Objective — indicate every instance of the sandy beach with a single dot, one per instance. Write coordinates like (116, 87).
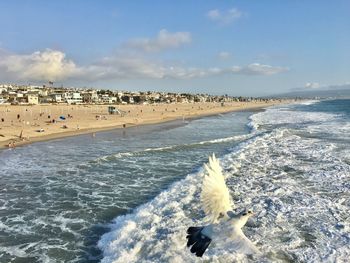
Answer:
(21, 125)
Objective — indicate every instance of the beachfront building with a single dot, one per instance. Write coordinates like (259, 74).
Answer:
(153, 97)
(199, 98)
(90, 96)
(113, 100)
(107, 99)
(127, 99)
(181, 99)
(33, 89)
(3, 90)
(76, 98)
(3, 100)
(21, 98)
(12, 97)
(56, 97)
(33, 99)
(73, 98)
(139, 99)
(43, 92)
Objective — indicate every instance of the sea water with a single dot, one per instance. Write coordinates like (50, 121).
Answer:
(129, 195)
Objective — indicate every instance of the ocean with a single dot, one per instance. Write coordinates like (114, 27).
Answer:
(129, 195)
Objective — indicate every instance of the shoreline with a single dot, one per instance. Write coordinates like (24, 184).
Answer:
(140, 121)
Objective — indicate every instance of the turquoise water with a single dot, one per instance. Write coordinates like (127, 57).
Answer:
(129, 195)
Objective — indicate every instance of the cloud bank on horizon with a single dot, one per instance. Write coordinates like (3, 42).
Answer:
(53, 65)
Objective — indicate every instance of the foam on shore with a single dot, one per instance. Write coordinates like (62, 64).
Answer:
(297, 185)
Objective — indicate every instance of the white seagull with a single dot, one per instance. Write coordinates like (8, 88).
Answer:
(224, 225)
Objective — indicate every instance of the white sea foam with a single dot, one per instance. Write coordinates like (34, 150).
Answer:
(153, 229)
(333, 128)
(227, 139)
(276, 116)
(170, 148)
(296, 185)
(307, 102)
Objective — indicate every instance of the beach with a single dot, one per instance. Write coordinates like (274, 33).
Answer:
(129, 195)
(23, 124)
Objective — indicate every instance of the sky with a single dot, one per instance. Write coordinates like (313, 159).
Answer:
(245, 48)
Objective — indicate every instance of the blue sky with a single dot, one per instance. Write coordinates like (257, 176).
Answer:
(218, 47)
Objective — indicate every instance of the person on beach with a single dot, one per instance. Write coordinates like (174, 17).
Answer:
(21, 135)
(11, 144)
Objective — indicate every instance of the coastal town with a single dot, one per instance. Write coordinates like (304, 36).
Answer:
(30, 113)
(48, 94)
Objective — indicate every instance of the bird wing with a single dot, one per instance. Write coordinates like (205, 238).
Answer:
(215, 196)
(241, 244)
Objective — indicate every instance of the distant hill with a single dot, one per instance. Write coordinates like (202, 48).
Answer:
(330, 92)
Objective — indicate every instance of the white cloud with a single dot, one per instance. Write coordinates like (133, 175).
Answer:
(322, 87)
(134, 67)
(224, 17)
(312, 85)
(223, 55)
(53, 65)
(126, 67)
(214, 14)
(45, 65)
(262, 69)
(164, 40)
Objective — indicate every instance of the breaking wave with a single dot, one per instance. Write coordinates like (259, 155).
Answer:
(108, 158)
(297, 184)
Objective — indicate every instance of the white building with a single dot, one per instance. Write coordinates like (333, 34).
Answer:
(74, 97)
(105, 98)
(2, 100)
(90, 96)
(56, 97)
(113, 100)
(33, 99)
